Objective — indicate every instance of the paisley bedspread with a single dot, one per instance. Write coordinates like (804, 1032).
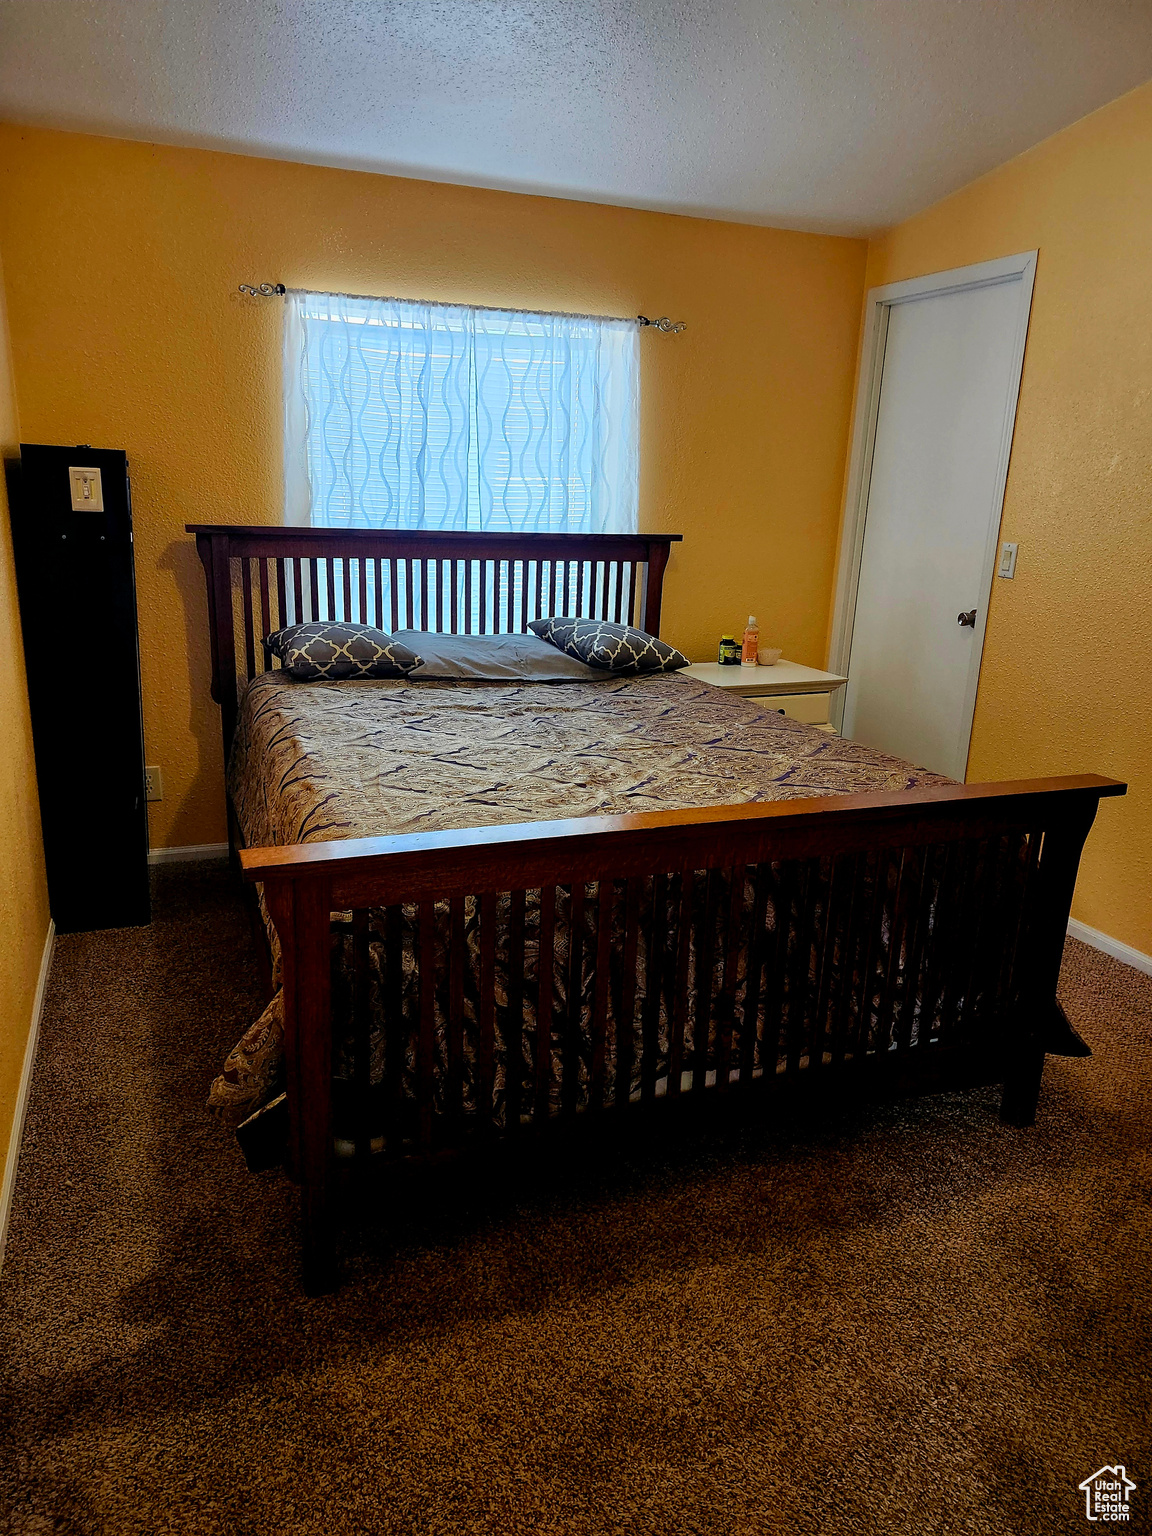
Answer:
(317, 761)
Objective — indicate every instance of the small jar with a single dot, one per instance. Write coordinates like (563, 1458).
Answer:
(729, 651)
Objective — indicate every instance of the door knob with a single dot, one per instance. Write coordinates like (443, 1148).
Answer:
(967, 620)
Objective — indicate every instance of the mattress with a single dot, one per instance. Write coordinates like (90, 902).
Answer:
(319, 761)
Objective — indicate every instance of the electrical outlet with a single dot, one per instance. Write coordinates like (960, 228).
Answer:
(153, 784)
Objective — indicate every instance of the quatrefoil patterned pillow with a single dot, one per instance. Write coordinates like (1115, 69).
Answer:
(614, 648)
(332, 650)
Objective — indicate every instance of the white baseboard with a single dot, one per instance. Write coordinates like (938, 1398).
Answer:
(8, 1188)
(1122, 952)
(188, 854)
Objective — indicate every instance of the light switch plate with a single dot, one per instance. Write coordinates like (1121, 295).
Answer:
(1007, 566)
(87, 491)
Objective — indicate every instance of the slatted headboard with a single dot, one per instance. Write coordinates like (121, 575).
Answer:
(261, 578)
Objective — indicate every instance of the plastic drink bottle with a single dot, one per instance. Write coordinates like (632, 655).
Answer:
(751, 643)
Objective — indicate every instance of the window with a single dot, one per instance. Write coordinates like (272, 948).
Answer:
(410, 415)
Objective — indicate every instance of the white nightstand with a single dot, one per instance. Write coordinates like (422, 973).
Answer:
(802, 693)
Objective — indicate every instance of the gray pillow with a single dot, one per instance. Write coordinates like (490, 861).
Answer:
(331, 650)
(493, 658)
(616, 648)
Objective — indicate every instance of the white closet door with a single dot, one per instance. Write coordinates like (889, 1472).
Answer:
(949, 379)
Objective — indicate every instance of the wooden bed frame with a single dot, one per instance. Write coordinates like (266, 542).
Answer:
(881, 944)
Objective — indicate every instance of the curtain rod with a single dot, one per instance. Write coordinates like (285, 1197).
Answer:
(278, 290)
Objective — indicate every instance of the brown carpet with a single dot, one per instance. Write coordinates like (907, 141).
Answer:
(896, 1319)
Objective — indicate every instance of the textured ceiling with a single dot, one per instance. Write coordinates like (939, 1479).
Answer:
(836, 115)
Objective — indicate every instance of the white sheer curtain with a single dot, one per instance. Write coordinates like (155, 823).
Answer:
(408, 415)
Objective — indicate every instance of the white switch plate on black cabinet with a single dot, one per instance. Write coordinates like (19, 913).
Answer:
(87, 490)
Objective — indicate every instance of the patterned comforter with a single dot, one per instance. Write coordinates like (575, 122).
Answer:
(317, 761)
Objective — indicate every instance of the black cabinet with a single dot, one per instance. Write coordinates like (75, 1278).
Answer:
(76, 578)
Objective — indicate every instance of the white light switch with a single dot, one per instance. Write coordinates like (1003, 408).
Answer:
(1007, 566)
(87, 492)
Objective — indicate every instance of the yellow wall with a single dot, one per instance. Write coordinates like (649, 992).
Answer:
(1068, 657)
(122, 261)
(23, 894)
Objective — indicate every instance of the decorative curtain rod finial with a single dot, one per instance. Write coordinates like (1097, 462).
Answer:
(263, 290)
(671, 327)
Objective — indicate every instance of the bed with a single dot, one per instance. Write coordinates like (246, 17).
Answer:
(509, 911)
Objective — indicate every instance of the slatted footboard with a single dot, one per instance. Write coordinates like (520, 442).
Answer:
(448, 988)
